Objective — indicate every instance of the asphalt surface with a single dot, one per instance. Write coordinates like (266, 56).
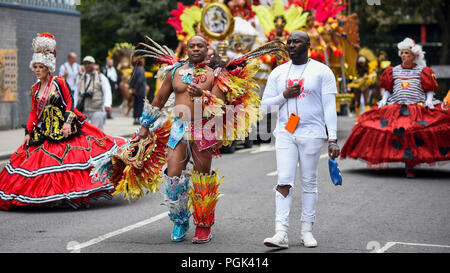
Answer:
(372, 211)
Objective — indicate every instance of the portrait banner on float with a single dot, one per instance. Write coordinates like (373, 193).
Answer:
(8, 75)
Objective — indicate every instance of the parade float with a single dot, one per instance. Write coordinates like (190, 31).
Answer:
(236, 26)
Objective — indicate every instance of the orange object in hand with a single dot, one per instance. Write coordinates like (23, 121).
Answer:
(292, 123)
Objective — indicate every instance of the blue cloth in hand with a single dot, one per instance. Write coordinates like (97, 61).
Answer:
(335, 173)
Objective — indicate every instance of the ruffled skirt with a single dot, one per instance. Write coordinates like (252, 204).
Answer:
(411, 134)
(56, 173)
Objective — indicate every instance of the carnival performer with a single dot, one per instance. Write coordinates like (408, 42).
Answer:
(279, 32)
(53, 164)
(189, 81)
(304, 92)
(360, 86)
(408, 126)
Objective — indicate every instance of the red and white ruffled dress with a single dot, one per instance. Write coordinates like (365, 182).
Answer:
(404, 130)
(54, 170)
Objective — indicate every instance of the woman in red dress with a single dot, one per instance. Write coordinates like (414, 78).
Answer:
(408, 125)
(52, 165)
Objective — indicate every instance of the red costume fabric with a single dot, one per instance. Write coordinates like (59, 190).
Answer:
(427, 79)
(55, 171)
(408, 133)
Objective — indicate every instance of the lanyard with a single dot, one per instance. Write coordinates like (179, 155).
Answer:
(287, 79)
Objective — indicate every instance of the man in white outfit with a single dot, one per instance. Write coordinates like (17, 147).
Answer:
(307, 89)
(71, 70)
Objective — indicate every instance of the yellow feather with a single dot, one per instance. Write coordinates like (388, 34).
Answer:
(190, 16)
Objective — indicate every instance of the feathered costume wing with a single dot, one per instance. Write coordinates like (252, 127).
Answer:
(237, 81)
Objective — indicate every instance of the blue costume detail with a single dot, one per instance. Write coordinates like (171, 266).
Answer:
(335, 173)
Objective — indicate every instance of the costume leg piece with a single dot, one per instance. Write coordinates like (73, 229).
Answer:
(176, 192)
(204, 195)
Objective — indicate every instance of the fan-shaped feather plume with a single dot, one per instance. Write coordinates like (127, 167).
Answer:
(274, 47)
(162, 54)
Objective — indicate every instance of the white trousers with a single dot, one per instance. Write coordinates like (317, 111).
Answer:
(291, 151)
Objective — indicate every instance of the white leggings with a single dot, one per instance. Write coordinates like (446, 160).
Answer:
(289, 150)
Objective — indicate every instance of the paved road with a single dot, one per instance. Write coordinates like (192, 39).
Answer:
(373, 210)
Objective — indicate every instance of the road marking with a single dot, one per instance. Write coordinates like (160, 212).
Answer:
(4, 162)
(118, 232)
(275, 173)
(391, 244)
(262, 149)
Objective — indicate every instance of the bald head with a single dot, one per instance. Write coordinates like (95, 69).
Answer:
(197, 38)
(72, 57)
(299, 34)
(196, 49)
(297, 45)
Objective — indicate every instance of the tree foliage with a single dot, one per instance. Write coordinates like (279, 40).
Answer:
(379, 20)
(107, 22)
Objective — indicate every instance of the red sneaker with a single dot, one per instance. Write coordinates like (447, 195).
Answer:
(202, 235)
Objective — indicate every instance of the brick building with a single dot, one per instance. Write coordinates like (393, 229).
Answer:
(20, 21)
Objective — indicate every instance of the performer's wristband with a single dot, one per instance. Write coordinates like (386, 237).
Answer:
(332, 144)
(149, 115)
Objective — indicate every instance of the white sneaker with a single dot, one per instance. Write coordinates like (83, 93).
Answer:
(306, 236)
(280, 239)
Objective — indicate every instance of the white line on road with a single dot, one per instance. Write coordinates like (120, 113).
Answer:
(391, 244)
(264, 148)
(275, 173)
(117, 232)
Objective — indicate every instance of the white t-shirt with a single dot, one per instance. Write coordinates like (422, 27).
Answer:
(316, 104)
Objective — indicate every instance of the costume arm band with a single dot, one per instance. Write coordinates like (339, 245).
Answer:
(150, 114)
(330, 114)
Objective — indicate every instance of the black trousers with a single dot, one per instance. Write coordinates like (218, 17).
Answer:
(138, 106)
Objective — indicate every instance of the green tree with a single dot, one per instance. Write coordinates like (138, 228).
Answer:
(107, 22)
(378, 20)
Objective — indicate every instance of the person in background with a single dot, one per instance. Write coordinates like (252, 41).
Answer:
(95, 93)
(71, 70)
(111, 73)
(446, 101)
(138, 86)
